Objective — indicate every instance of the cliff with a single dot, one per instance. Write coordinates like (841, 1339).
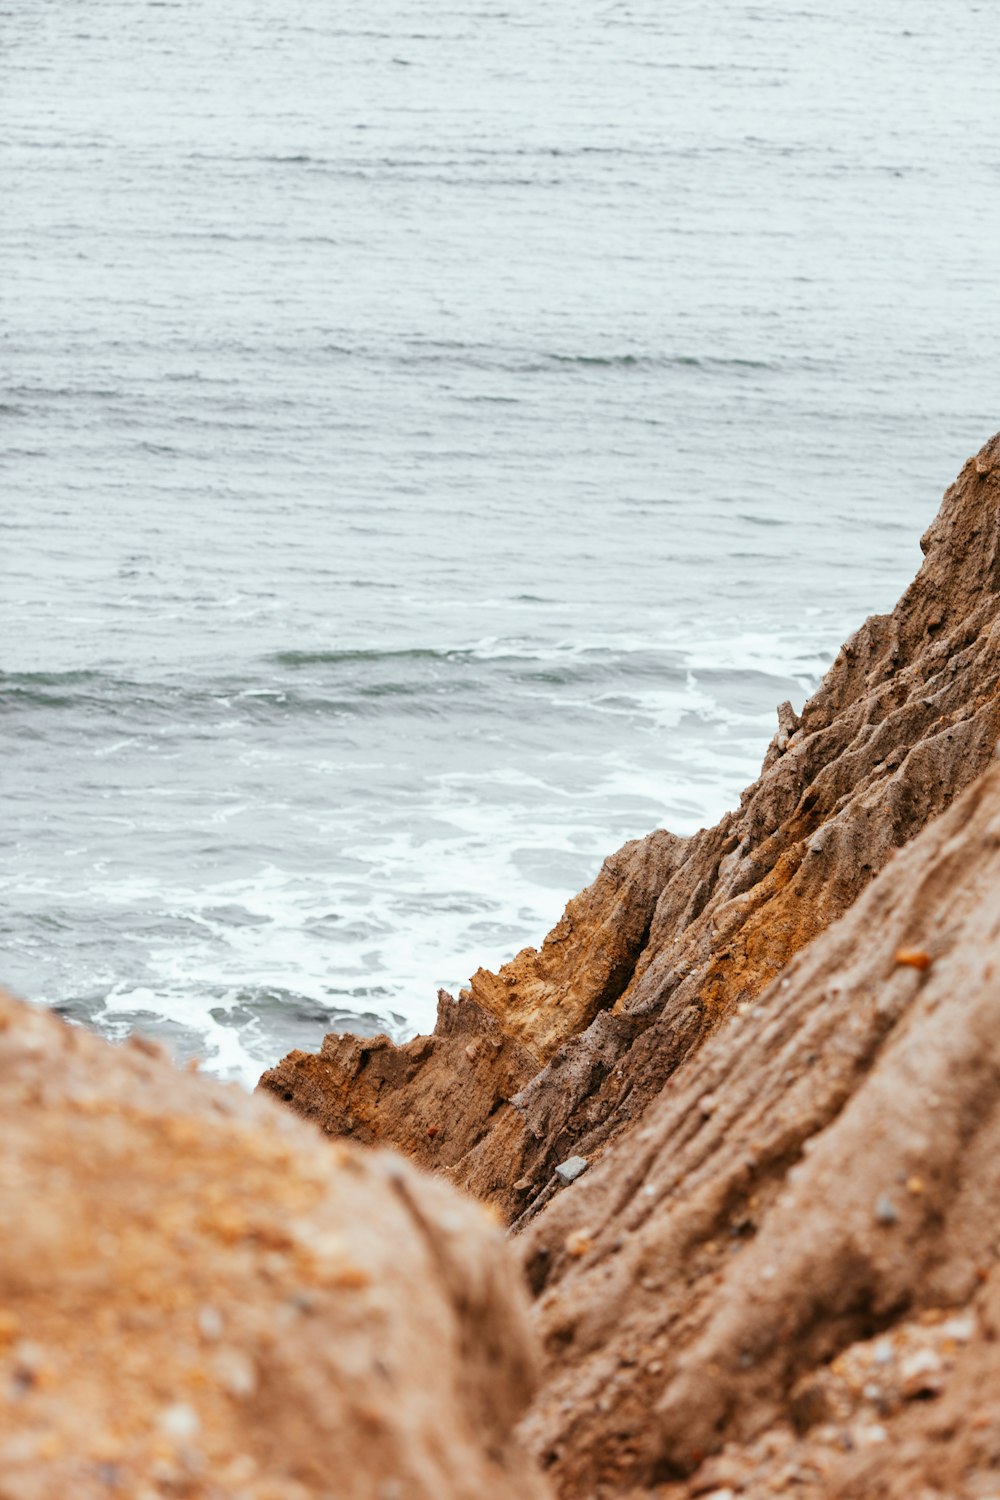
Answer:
(567, 1046)
(776, 1045)
(200, 1297)
(792, 1262)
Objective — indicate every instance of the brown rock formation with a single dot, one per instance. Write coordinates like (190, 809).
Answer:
(200, 1297)
(784, 1275)
(794, 1257)
(568, 1045)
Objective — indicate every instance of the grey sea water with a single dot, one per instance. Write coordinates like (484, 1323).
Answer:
(434, 438)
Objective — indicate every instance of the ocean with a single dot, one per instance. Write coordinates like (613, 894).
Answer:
(434, 439)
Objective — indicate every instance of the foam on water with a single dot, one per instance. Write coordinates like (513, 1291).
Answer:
(359, 906)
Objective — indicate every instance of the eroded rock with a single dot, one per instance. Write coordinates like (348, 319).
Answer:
(201, 1297)
(736, 1258)
(566, 1047)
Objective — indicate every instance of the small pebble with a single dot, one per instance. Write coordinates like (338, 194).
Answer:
(179, 1421)
(885, 1210)
(574, 1167)
(235, 1372)
(913, 958)
(961, 1329)
(921, 1374)
(210, 1322)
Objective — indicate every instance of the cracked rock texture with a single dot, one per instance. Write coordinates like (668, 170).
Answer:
(755, 1271)
(567, 1046)
(200, 1297)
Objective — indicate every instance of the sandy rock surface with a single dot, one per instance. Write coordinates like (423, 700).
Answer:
(792, 1261)
(566, 1047)
(201, 1297)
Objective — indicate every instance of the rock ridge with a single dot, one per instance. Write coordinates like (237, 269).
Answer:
(567, 1045)
(789, 1274)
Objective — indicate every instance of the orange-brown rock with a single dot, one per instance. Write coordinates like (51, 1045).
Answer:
(787, 1275)
(201, 1297)
(437, 1096)
(567, 1046)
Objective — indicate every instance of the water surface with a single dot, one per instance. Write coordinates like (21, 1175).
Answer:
(434, 440)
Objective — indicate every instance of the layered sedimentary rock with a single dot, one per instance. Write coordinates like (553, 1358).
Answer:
(200, 1297)
(567, 1046)
(792, 1263)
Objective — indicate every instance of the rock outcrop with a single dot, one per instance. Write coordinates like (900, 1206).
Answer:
(200, 1297)
(792, 1263)
(765, 1254)
(567, 1046)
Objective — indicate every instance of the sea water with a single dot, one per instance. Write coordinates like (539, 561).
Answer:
(435, 437)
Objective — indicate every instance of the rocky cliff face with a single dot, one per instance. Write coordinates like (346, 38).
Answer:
(793, 1259)
(200, 1297)
(566, 1047)
(780, 1270)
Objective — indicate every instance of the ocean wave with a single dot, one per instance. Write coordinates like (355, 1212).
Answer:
(486, 678)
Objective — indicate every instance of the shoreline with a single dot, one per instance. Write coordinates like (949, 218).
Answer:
(741, 1111)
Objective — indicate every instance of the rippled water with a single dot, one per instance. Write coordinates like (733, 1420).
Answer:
(434, 439)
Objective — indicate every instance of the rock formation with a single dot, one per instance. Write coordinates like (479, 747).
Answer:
(200, 1297)
(744, 1106)
(566, 1047)
(793, 1258)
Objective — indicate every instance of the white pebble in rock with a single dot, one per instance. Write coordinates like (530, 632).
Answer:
(885, 1210)
(179, 1421)
(210, 1322)
(572, 1168)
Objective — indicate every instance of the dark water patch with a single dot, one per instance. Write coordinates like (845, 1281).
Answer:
(486, 665)
(339, 927)
(750, 692)
(265, 1000)
(50, 689)
(66, 392)
(334, 685)
(528, 362)
(272, 1020)
(181, 1042)
(367, 654)
(233, 915)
